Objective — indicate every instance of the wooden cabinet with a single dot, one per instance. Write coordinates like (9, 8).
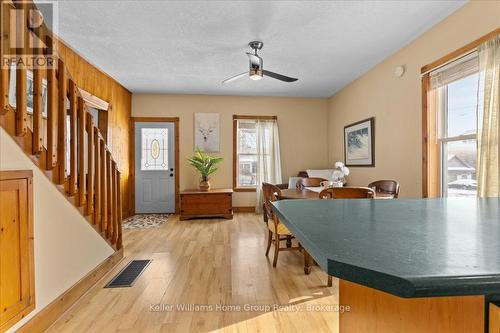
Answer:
(17, 291)
(214, 203)
(494, 318)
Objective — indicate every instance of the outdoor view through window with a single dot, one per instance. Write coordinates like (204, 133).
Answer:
(458, 104)
(246, 159)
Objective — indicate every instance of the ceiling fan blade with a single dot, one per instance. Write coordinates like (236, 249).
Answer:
(236, 77)
(279, 76)
(255, 60)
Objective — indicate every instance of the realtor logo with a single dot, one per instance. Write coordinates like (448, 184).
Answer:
(27, 34)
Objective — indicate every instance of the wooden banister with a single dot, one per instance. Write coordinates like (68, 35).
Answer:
(81, 151)
(92, 176)
(61, 121)
(51, 112)
(73, 138)
(90, 164)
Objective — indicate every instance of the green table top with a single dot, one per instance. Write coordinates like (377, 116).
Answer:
(406, 247)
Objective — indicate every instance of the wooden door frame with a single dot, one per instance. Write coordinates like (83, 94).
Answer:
(134, 120)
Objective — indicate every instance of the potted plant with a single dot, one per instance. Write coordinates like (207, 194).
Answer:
(205, 165)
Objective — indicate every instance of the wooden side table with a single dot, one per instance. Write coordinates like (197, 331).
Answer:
(213, 203)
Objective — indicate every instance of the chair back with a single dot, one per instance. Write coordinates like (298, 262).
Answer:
(347, 193)
(386, 186)
(270, 193)
(309, 182)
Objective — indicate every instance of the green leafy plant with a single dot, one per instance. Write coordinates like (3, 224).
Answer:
(205, 164)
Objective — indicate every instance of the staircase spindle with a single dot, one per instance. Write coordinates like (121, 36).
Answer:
(97, 181)
(37, 139)
(61, 121)
(51, 112)
(104, 190)
(81, 151)
(21, 100)
(90, 164)
(4, 71)
(119, 220)
(114, 236)
(73, 138)
(109, 225)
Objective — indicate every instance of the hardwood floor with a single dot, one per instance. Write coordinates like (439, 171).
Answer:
(207, 263)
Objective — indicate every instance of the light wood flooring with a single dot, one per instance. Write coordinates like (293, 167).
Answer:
(207, 262)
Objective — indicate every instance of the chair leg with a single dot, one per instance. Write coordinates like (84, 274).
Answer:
(276, 249)
(288, 241)
(269, 241)
(330, 282)
(307, 262)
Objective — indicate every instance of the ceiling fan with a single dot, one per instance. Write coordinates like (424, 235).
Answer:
(256, 71)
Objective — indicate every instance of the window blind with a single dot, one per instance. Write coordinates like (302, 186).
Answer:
(454, 71)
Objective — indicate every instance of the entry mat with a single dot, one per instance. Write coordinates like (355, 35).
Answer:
(129, 274)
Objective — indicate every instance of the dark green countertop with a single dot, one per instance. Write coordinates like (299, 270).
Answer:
(406, 247)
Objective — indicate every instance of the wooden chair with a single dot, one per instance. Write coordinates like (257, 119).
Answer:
(342, 193)
(267, 191)
(386, 186)
(309, 182)
(347, 193)
(277, 229)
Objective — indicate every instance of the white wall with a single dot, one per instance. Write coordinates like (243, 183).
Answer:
(66, 247)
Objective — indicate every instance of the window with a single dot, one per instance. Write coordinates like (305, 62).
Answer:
(154, 149)
(245, 151)
(454, 101)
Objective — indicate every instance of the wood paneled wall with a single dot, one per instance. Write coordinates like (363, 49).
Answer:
(100, 84)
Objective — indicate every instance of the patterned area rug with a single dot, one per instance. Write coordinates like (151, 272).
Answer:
(145, 221)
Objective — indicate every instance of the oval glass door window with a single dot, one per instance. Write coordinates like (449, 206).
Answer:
(154, 149)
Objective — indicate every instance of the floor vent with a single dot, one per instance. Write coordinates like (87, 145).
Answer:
(129, 274)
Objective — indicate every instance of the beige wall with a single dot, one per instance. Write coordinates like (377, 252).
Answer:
(396, 102)
(66, 246)
(302, 124)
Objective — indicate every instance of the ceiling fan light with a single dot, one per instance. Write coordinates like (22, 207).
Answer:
(255, 75)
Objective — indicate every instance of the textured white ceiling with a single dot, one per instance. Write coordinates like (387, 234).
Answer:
(191, 46)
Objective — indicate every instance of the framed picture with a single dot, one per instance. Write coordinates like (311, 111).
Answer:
(29, 90)
(207, 132)
(359, 143)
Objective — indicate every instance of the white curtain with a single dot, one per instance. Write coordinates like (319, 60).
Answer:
(268, 157)
(488, 168)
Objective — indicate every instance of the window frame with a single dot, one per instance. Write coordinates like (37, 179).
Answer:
(431, 166)
(236, 186)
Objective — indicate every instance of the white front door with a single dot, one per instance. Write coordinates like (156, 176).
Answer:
(154, 167)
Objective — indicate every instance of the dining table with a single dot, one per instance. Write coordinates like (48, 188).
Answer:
(313, 194)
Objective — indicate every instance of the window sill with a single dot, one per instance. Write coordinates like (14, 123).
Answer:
(244, 189)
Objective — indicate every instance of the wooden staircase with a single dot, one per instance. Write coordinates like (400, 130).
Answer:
(91, 180)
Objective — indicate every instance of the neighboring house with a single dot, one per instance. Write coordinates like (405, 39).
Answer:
(459, 169)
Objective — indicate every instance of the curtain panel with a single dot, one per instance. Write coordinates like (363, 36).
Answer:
(488, 169)
(268, 157)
